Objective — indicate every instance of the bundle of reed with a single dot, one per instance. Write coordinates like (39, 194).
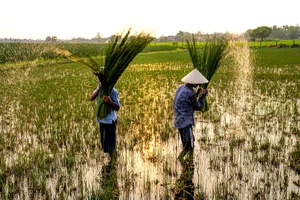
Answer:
(120, 52)
(209, 58)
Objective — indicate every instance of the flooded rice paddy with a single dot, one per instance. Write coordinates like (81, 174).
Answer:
(50, 141)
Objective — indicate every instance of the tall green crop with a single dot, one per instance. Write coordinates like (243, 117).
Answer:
(118, 55)
(209, 58)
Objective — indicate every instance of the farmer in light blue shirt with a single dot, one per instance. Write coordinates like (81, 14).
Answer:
(186, 101)
(108, 125)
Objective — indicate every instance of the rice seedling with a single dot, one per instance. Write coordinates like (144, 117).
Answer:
(209, 59)
(118, 55)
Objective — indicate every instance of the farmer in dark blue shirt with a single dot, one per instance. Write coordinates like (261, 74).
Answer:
(186, 101)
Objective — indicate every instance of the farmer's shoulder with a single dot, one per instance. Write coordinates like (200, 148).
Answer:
(180, 86)
(114, 91)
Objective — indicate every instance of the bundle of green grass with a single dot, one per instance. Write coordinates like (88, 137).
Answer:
(209, 58)
(122, 49)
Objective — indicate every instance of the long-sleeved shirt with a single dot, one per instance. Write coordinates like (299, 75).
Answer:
(185, 103)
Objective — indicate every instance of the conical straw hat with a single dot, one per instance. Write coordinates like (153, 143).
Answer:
(194, 77)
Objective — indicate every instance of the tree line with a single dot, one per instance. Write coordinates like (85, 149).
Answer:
(260, 33)
(282, 33)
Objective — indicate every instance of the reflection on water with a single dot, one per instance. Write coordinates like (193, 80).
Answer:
(184, 184)
(241, 152)
(227, 163)
(108, 181)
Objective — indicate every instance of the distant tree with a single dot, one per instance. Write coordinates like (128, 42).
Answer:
(285, 27)
(48, 39)
(229, 36)
(206, 36)
(292, 32)
(277, 33)
(51, 39)
(182, 36)
(187, 35)
(199, 36)
(162, 38)
(248, 35)
(54, 39)
(261, 32)
(285, 32)
(112, 37)
(179, 36)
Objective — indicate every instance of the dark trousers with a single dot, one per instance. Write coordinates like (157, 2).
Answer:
(187, 137)
(108, 137)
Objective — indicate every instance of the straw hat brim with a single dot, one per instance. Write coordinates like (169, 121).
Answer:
(194, 77)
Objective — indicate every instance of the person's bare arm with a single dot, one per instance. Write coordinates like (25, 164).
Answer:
(95, 93)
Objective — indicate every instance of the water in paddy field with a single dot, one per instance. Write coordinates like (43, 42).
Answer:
(242, 148)
(241, 152)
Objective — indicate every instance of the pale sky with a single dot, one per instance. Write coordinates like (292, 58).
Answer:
(66, 19)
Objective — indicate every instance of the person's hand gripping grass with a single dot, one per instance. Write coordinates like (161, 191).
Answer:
(108, 100)
(203, 90)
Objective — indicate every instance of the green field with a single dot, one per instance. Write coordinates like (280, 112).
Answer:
(247, 144)
(13, 52)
